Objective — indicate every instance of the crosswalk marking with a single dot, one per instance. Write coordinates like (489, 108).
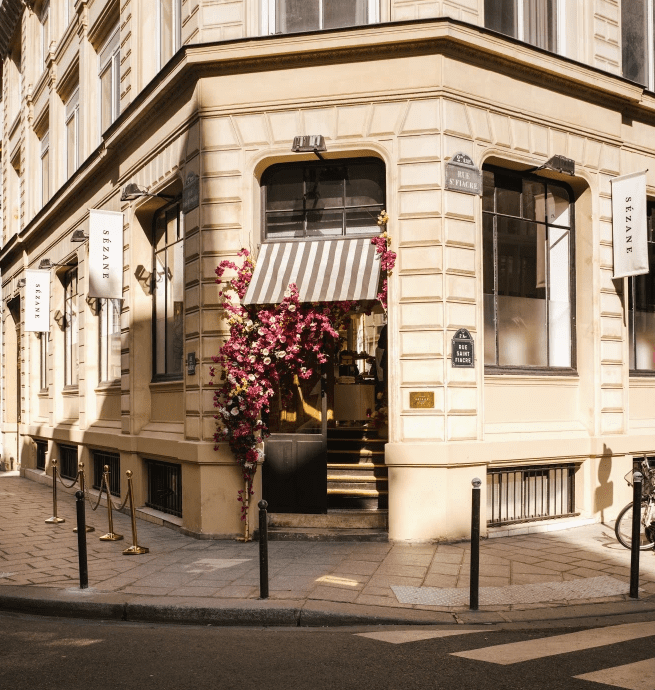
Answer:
(516, 652)
(637, 676)
(402, 636)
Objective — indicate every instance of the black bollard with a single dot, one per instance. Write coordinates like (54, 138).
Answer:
(637, 478)
(81, 539)
(475, 545)
(263, 551)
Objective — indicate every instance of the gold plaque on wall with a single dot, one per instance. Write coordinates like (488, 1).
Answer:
(421, 399)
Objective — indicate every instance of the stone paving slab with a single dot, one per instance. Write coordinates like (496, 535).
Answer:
(542, 575)
(588, 588)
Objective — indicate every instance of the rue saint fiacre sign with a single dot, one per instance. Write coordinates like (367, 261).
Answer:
(462, 349)
(462, 175)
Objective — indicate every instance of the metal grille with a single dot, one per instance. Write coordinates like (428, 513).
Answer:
(68, 462)
(41, 453)
(530, 493)
(113, 461)
(165, 487)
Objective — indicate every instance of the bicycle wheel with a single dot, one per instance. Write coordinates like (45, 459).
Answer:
(623, 528)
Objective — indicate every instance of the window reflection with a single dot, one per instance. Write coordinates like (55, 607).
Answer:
(323, 199)
(168, 306)
(527, 271)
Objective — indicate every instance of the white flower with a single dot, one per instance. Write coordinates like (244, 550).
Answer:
(265, 351)
(292, 307)
(252, 358)
(235, 411)
(249, 323)
(280, 354)
(287, 292)
(267, 360)
(251, 377)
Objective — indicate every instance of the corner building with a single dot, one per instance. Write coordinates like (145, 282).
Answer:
(197, 103)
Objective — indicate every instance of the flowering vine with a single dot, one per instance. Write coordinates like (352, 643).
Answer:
(267, 348)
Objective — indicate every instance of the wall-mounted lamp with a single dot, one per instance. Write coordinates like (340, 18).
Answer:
(309, 144)
(560, 164)
(133, 191)
(59, 318)
(46, 264)
(20, 283)
(79, 236)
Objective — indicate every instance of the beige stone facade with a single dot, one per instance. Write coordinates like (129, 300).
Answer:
(422, 82)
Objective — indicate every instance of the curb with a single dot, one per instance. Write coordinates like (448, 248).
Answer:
(94, 605)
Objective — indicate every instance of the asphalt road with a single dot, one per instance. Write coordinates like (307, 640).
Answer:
(50, 654)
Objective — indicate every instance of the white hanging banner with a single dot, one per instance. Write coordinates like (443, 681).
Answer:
(37, 300)
(105, 254)
(629, 226)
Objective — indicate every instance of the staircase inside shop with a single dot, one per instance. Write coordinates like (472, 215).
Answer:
(357, 492)
(357, 475)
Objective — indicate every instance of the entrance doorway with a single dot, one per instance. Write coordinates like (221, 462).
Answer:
(326, 448)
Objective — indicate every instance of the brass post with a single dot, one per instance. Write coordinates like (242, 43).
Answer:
(246, 503)
(134, 549)
(80, 474)
(110, 536)
(54, 520)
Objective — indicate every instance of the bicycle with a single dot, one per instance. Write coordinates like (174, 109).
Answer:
(623, 525)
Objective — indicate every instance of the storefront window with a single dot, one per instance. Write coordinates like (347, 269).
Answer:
(528, 271)
(641, 309)
(168, 274)
(323, 199)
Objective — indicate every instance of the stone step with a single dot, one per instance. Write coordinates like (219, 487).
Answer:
(355, 492)
(332, 520)
(355, 453)
(317, 534)
(363, 471)
(350, 502)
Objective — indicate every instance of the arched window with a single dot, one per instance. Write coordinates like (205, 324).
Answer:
(528, 271)
(314, 199)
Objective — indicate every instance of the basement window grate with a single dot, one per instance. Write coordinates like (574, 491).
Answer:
(523, 494)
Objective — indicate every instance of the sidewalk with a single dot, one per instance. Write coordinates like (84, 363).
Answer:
(556, 575)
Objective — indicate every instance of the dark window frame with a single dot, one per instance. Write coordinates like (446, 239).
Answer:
(503, 16)
(170, 500)
(166, 375)
(41, 454)
(309, 165)
(540, 370)
(637, 284)
(68, 461)
(100, 458)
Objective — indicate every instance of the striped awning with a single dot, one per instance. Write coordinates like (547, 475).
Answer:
(323, 271)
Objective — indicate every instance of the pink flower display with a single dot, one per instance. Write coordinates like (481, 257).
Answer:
(269, 345)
